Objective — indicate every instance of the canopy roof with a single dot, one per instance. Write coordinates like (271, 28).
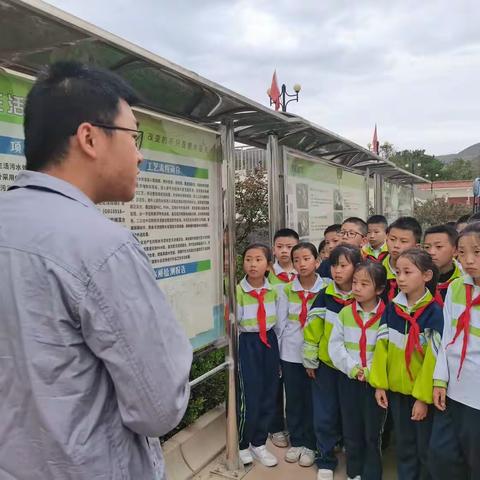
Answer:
(35, 34)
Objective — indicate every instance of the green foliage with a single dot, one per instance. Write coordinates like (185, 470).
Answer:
(428, 166)
(206, 395)
(437, 211)
(459, 169)
(251, 204)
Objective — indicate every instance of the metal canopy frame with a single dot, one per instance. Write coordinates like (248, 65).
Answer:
(35, 34)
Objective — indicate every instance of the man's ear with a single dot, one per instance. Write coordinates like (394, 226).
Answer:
(86, 138)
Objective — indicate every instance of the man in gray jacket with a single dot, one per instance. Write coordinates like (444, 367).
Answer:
(92, 361)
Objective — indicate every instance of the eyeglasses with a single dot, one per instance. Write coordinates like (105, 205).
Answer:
(349, 233)
(138, 137)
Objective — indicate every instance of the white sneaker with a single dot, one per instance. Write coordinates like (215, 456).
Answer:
(324, 474)
(307, 458)
(293, 454)
(279, 439)
(264, 456)
(358, 477)
(245, 456)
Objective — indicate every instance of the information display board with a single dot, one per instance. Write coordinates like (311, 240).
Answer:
(397, 200)
(319, 194)
(176, 212)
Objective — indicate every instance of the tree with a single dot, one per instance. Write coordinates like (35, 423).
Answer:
(251, 202)
(459, 169)
(437, 211)
(418, 162)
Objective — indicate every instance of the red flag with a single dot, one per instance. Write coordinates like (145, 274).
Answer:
(375, 142)
(275, 91)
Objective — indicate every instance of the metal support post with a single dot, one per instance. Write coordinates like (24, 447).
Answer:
(276, 193)
(378, 193)
(228, 147)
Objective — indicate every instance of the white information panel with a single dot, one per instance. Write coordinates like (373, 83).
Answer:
(319, 194)
(176, 213)
(397, 200)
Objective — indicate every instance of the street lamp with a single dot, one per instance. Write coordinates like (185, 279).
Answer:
(411, 165)
(283, 94)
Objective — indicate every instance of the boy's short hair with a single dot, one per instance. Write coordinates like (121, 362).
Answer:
(450, 231)
(286, 232)
(377, 220)
(336, 227)
(474, 218)
(358, 222)
(408, 223)
(462, 219)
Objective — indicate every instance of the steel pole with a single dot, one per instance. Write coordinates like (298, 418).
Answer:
(228, 147)
(275, 201)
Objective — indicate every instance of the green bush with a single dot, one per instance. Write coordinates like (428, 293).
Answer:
(206, 395)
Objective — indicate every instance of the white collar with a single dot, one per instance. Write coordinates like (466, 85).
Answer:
(401, 299)
(374, 311)
(277, 269)
(246, 287)
(317, 286)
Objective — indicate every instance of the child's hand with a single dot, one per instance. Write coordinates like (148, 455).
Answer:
(440, 398)
(419, 410)
(361, 375)
(381, 398)
(311, 373)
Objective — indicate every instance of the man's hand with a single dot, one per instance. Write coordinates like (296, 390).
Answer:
(311, 372)
(419, 410)
(381, 398)
(440, 398)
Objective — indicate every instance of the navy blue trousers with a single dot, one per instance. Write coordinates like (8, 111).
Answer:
(412, 438)
(259, 367)
(278, 421)
(298, 394)
(362, 425)
(326, 415)
(455, 443)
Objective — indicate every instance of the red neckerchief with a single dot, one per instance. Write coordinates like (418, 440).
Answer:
(463, 324)
(381, 257)
(261, 314)
(304, 297)
(285, 277)
(392, 289)
(439, 289)
(343, 302)
(364, 326)
(413, 340)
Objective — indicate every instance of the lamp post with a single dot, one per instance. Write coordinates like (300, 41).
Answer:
(411, 165)
(283, 96)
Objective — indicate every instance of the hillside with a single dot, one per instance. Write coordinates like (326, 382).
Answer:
(470, 153)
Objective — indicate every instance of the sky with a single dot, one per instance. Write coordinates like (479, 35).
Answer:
(410, 67)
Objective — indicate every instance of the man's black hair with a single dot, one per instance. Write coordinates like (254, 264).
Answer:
(336, 227)
(450, 231)
(286, 232)
(352, 254)
(377, 220)
(64, 96)
(408, 223)
(361, 224)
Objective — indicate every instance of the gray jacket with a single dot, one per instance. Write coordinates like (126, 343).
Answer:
(92, 360)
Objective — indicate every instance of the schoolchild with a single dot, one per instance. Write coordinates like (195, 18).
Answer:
(351, 348)
(259, 360)
(282, 270)
(353, 231)
(281, 273)
(317, 361)
(403, 234)
(376, 249)
(455, 442)
(404, 360)
(332, 239)
(322, 251)
(440, 242)
(295, 301)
